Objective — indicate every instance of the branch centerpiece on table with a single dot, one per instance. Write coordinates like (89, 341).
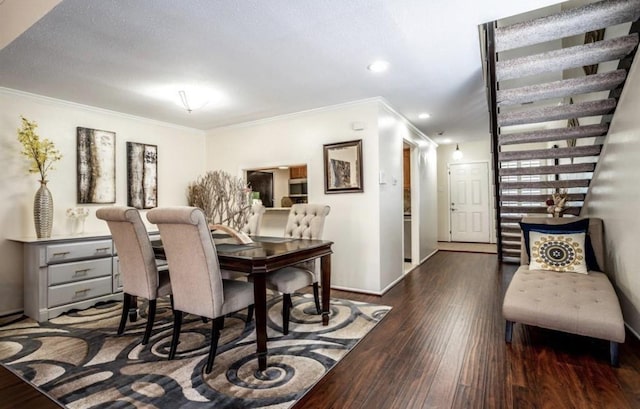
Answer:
(225, 199)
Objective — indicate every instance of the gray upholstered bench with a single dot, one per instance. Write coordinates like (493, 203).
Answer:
(583, 304)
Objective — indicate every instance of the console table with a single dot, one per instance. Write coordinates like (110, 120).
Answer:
(63, 273)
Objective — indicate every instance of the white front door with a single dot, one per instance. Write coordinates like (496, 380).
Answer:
(469, 207)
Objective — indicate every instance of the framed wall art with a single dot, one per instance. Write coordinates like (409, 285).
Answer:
(96, 166)
(142, 175)
(343, 167)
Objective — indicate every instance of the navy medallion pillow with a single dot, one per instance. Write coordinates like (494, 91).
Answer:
(562, 252)
(579, 226)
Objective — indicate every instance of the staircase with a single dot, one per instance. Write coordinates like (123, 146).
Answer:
(553, 83)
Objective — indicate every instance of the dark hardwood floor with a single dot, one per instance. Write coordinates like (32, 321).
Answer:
(442, 346)
(15, 393)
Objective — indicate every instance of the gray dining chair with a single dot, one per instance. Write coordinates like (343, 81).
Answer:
(305, 221)
(141, 276)
(198, 287)
(254, 221)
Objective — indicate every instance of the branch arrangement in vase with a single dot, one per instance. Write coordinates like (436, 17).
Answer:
(41, 153)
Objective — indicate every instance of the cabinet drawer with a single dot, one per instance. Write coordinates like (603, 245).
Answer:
(78, 291)
(80, 270)
(60, 253)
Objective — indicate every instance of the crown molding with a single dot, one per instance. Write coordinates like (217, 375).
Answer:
(92, 109)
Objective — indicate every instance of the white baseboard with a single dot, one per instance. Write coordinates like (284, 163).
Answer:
(355, 290)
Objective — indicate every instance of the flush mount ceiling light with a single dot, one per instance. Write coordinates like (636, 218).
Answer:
(424, 115)
(195, 100)
(378, 66)
(457, 154)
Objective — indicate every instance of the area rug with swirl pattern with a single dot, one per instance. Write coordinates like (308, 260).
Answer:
(79, 360)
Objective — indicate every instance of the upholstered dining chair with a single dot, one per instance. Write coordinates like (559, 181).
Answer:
(305, 221)
(198, 287)
(140, 274)
(254, 221)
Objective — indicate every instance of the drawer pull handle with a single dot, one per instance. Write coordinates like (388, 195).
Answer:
(86, 290)
(64, 253)
(82, 272)
(103, 249)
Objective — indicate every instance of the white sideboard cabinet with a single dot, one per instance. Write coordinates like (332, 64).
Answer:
(66, 273)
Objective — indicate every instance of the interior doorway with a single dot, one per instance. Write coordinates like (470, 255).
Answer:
(407, 150)
(469, 202)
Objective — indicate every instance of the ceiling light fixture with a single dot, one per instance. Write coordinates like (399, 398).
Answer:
(424, 115)
(183, 97)
(457, 154)
(197, 98)
(378, 66)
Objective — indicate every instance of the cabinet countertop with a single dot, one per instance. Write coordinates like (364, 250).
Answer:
(67, 237)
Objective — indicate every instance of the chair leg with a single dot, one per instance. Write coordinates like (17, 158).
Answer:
(216, 325)
(250, 313)
(126, 304)
(286, 308)
(177, 323)
(316, 297)
(508, 333)
(613, 350)
(151, 316)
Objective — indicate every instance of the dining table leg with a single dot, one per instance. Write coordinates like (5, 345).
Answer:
(325, 268)
(260, 300)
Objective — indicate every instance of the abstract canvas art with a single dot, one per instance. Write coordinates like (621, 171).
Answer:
(96, 162)
(142, 175)
(343, 167)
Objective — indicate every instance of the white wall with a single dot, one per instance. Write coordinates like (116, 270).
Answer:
(367, 239)
(424, 212)
(614, 196)
(473, 151)
(180, 160)
(393, 132)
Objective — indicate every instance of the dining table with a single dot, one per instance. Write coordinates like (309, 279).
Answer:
(261, 257)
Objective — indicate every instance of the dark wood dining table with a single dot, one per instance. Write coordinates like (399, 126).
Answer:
(264, 255)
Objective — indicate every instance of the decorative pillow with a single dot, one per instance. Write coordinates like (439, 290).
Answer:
(557, 252)
(580, 226)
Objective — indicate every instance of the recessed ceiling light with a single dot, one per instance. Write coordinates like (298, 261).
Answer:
(424, 115)
(378, 66)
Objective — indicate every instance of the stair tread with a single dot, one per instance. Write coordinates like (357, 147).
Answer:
(573, 210)
(560, 89)
(566, 23)
(577, 151)
(549, 170)
(548, 184)
(554, 112)
(571, 197)
(565, 58)
(555, 134)
(511, 260)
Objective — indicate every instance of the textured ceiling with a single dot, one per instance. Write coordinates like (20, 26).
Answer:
(266, 58)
